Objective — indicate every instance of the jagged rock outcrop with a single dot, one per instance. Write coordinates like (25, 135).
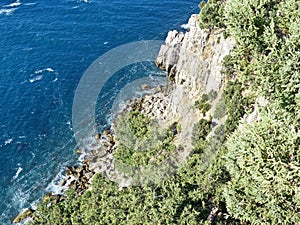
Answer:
(194, 59)
(193, 62)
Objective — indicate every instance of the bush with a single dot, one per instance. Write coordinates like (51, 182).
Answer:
(200, 131)
(236, 104)
(212, 95)
(142, 141)
(203, 104)
(211, 14)
(263, 160)
(220, 110)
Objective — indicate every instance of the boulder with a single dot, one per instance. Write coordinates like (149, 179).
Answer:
(55, 199)
(145, 87)
(71, 170)
(63, 183)
(97, 136)
(47, 197)
(106, 132)
(78, 151)
(23, 215)
(89, 175)
(72, 185)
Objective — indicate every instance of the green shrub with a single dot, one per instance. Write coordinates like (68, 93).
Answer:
(212, 95)
(203, 104)
(142, 141)
(220, 110)
(263, 160)
(235, 104)
(201, 129)
(211, 14)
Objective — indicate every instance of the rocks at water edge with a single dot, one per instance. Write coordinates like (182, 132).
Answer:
(97, 136)
(195, 52)
(23, 215)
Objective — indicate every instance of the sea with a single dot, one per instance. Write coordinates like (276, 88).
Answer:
(45, 49)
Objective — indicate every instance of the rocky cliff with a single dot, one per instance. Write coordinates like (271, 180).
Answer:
(193, 62)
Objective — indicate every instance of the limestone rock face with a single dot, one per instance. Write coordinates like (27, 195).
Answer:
(169, 54)
(194, 59)
(193, 62)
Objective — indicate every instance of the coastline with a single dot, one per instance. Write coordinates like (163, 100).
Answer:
(195, 52)
(232, 130)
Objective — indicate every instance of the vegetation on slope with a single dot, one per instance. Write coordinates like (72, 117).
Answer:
(142, 141)
(262, 158)
(242, 173)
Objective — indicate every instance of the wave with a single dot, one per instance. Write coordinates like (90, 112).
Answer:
(37, 78)
(20, 169)
(185, 26)
(43, 70)
(15, 4)
(30, 3)
(7, 12)
(54, 185)
(8, 141)
(9, 9)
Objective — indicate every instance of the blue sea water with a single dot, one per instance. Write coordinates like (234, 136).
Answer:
(45, 47)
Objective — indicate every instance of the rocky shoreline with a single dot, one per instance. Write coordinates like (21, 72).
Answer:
(195, 52)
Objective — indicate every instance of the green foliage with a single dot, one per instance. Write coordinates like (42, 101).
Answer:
(142, 141)
(267, 54)
(211, 14)
(185, 198)
(220, 110)
(263, 160)
(249, 173)
(203, 104)
(134, 124)
(212, 95)
(200, 130)
(235, 103)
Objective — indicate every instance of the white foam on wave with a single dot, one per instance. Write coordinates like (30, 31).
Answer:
(105, 43)
(20, 197)
(43, 70)
(55, 185)
(30, 3)
(9, 9)
(37, 78)
(20, 169)
(8, 141)
(15, 4)
(7, 12)
(185, 26)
